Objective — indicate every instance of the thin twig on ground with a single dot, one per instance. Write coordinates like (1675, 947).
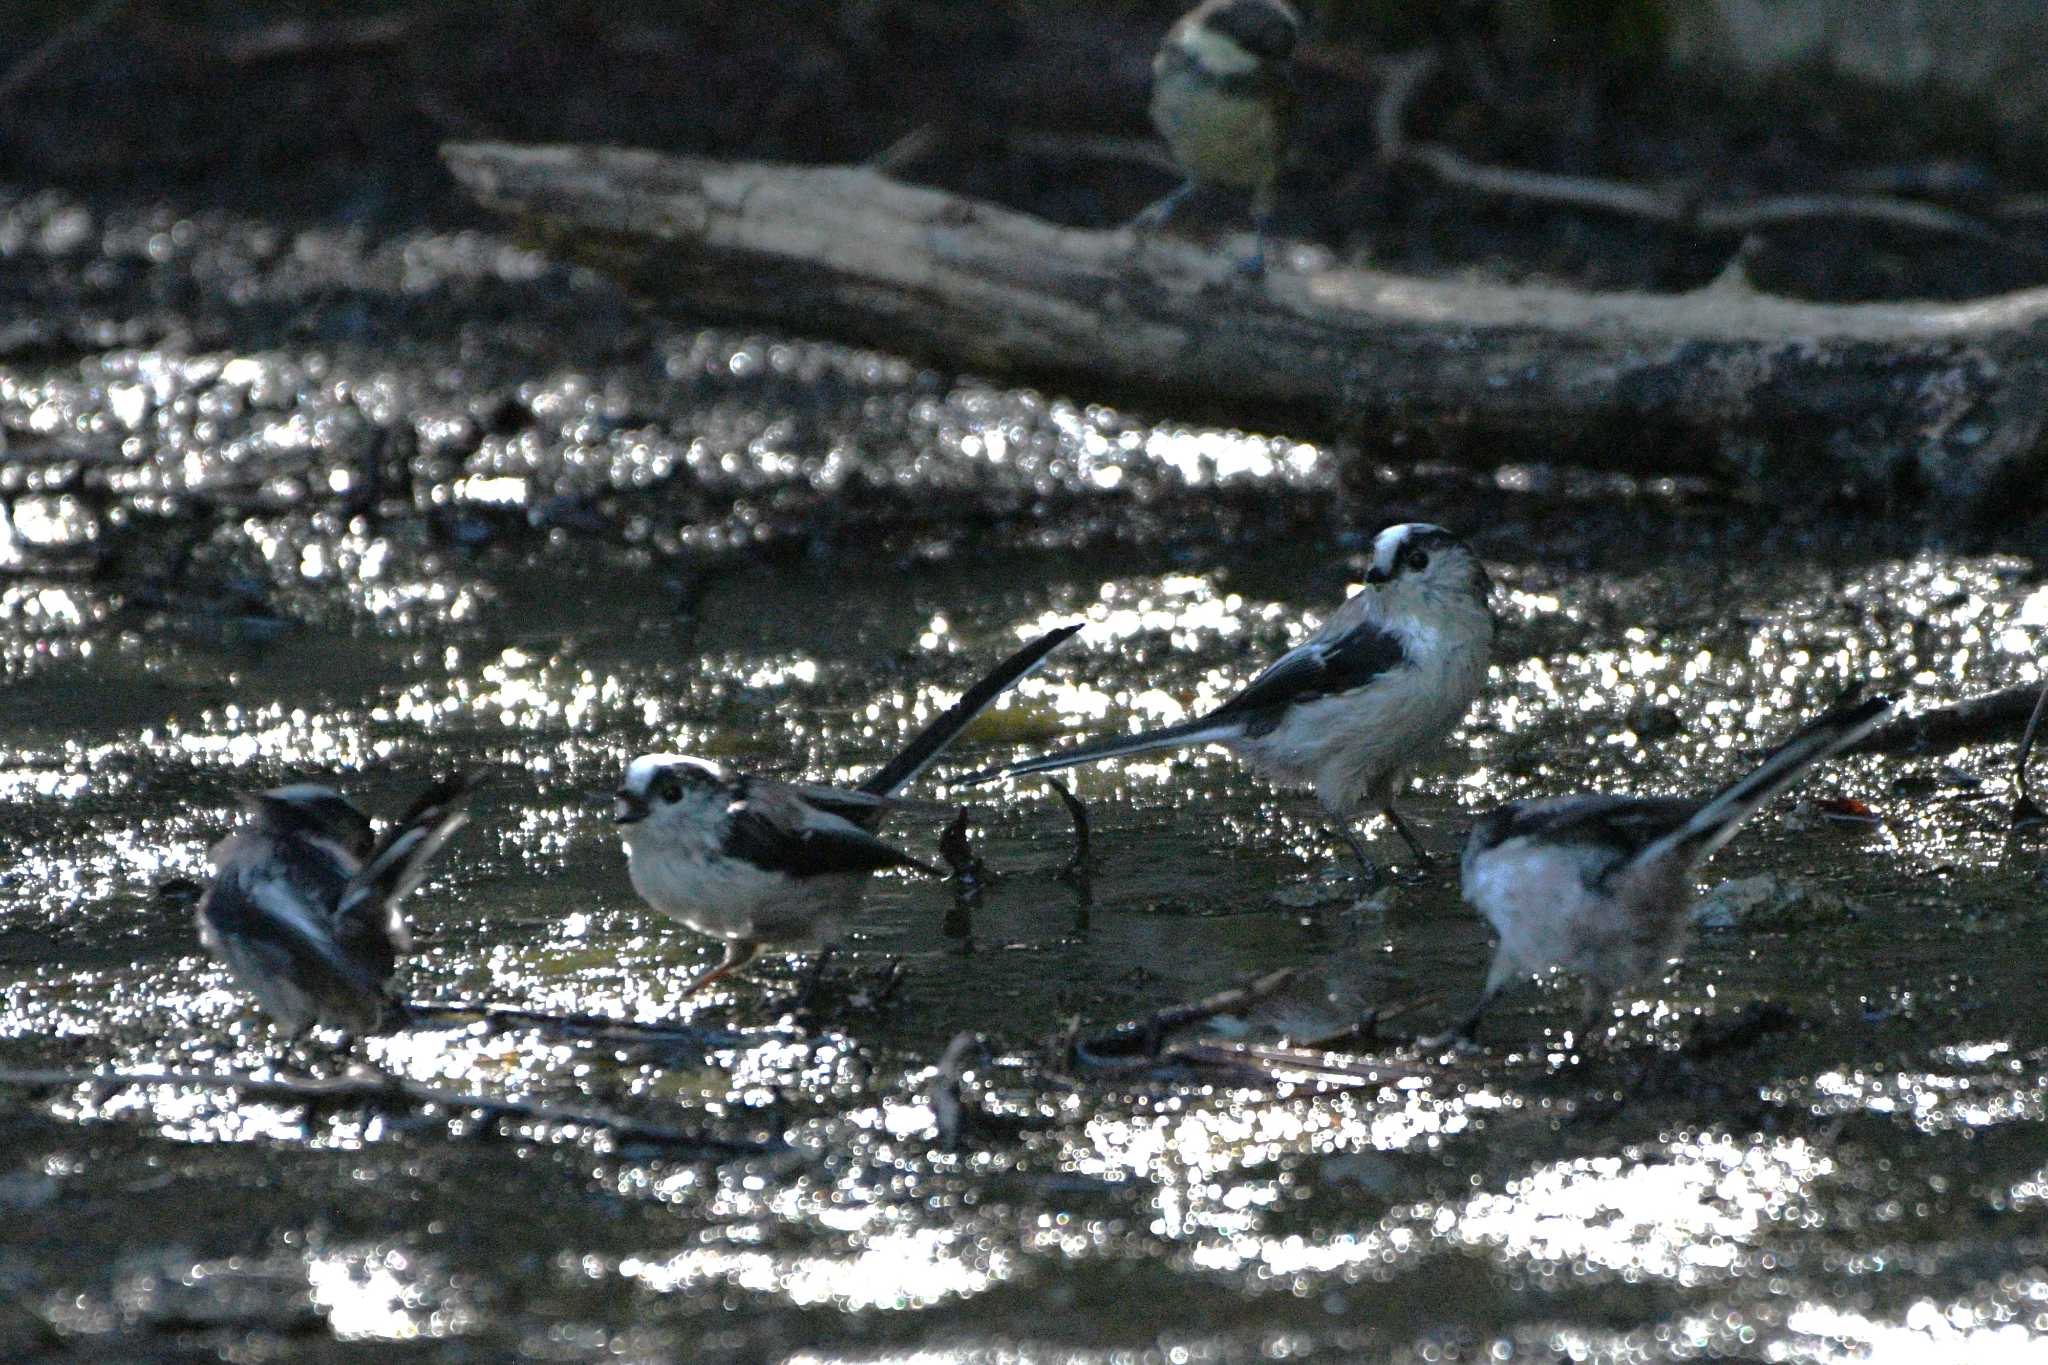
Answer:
(1144, 1037)
(1369, 1030)
(2025, 813)
(389, 1092)
(298, 40)
(596, 1027)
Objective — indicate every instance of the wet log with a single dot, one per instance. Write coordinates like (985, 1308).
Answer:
(1974, 720)
(1945, 400)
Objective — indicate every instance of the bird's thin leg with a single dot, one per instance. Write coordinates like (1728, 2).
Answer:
(811, 978)
(737, 955)
(1422, 855)
(1155, 215)
(1253, 267)
(1594, 1020)
(1367, 868)
(1466, 1030)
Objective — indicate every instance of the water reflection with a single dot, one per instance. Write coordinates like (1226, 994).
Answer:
(1662, 1204)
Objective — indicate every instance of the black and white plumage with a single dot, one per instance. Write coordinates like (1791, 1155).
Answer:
(1355, 707)
(303, 906)
(1599, 885)
(1223, 98)
(762, 864)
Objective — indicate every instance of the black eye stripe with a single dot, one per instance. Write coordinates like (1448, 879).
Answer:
(669, 784)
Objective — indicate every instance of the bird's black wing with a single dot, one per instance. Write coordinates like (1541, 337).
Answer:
(816, 847)
(366, 918)
(282, 919)
(1620, 825)
(1317, 668)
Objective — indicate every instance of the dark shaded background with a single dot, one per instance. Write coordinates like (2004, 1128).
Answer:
(301, 112)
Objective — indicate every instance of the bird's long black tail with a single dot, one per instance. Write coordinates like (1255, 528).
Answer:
(1715, 823)
(1201, 731)
(902, 770)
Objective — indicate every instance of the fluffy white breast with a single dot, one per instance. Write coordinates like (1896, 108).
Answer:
(1534, 895)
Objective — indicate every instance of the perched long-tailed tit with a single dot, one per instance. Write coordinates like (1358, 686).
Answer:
(1223, 98)
(303, 908)
(1351, 710)
(1600, 885)
(777, 865)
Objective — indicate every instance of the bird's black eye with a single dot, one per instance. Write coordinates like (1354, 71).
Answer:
(1418, 560)
(670, 788)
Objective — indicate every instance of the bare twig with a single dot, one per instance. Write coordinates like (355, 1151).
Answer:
(301, 39)
(1144, 1037)
(926, 140)
(1683, 208)
(906, 151)
(2024, 812)
(1078, 866)
(1291, 1063)
(1137, 151)
(58, 46)
(385, 1092)
(1367, 1031)
(1950, 727)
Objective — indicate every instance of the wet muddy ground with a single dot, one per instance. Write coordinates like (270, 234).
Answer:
(324, 504)
(305, 475)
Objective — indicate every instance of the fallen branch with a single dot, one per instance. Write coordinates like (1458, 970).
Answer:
(1144, 1037)
(1281, 1064)
(296, 40)
(1683, 209)
(595, 1027)
(388, 1092)
(1718, 381)
(1970, 721)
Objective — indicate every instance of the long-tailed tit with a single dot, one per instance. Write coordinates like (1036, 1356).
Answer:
(1599, 885)
(1223, 98)
(303, 907)
(774, 865)
(1351, 710)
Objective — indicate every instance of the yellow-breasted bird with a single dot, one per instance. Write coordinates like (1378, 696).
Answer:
(1223, 98)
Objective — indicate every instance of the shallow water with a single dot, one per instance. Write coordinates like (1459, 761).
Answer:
(614, 535)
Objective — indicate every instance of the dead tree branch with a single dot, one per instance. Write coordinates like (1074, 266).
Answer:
(1144, 1037)
(1950, 397)
(1684, 209)
(1969, 721)
(2025, 812)
(592, 1027)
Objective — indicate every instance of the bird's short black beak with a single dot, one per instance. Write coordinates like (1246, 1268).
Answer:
(629, 809)
(1376, 575)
